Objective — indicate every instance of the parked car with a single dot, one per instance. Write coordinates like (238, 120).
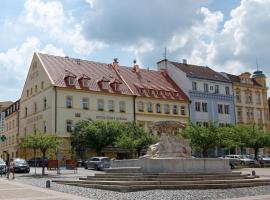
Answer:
(234, 160)
(81, 162)
(97, 163)
(247, 160)
(3, 167)
(264, 159)
(20, 165)
(38, 162)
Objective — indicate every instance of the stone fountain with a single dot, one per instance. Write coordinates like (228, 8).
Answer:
(172, 154)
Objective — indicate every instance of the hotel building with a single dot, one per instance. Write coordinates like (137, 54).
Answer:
(60, 91)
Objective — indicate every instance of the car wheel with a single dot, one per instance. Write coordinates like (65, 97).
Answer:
(242, 163)
(96, 168)
(85, 167)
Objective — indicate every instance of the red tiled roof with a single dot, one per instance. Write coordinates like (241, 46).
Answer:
(196, 71)
(129, 81)
(151, 80)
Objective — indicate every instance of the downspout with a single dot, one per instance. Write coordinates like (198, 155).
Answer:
(55, 110)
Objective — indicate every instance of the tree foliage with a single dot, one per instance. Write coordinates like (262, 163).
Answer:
(100, 134)
(40, 141)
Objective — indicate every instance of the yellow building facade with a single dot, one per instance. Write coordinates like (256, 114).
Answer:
(251, 104)
(60, 91)
(8, 148)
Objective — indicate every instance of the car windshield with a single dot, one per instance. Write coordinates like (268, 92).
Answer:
(20, 161)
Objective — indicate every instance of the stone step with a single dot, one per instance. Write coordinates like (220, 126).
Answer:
(164, 178)
(124, 170)
(125, 188)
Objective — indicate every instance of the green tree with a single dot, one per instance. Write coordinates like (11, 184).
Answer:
(254, 137)
(41, 141)
(203, 138)
(96, 134)
(134, 138)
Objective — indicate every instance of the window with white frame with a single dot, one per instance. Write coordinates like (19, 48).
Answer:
(226, 109)
(166, 108)
(220, 108)
(205, 86)
(175, 109)
(100, 104)
(71, 80)
(122, 106)
(258, 98)
(227, 90)
(111, 105)
(69, 126)
(69, 102)
(183, 110)
(216, 89)
(85, 82)
(140, 106)
(85, 103)
(149, 107)
(194, 85)
(238, 96)
(158, 108)
(198, 106)
(204, 107)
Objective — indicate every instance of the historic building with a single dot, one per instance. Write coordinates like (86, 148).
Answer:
(8, 147)
(210, 93)
(60, 91)
(250, 98)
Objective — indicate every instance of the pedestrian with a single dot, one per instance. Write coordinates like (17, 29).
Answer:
(10, 168)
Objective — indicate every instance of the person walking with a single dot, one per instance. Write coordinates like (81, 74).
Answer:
(11, 169)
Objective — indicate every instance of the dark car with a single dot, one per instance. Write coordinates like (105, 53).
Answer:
(38, 162)
(81, 162)
(3, 167)
(98, 163)
(20, 165)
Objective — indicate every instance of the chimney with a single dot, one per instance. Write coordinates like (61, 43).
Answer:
(135, 67)
(115, 65)
(185, 61)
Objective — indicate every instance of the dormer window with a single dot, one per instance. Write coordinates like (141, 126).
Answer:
(104, 83)
(115, 84)
(85, 83)
(71, 81)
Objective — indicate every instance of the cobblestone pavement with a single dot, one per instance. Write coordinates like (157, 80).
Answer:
(152, 194)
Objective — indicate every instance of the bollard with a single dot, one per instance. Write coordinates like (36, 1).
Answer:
(48, 184)
(253, 173)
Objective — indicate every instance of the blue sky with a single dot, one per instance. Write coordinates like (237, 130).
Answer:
(226, 35)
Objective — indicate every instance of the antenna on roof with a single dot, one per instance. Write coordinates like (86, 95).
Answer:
(165, 57)
(257, 64)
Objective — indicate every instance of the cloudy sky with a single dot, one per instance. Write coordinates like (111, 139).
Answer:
(226, 35)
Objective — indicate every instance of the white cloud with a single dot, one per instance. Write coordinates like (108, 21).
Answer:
(15, 63)
(52, 19)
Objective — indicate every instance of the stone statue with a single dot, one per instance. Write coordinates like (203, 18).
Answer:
(169, 145)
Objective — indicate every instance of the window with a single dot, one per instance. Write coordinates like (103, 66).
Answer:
(27, 93)
(175, 109)
(35, 107)
(211, 88)
(199, 123)
(204, 107)
(227, 90)
(140, 106)
(167, 109)
(44, 104)
(111, 105)
(216, 89)
(258, 98)
(198, 106)
(31, 91)
(85, 103)
(122, 106)
(194, 86)
(220, 108)
(42, 85)
(226, 109)
(238, 96)
(85, 83)
(205, 86)
(69, 125)
(69, 102)
(205, 124)
(25, 111)
(183, 110)
(149, 107)
(71, 81)
(248, 97)
(100, 104)
(239, 114)
(35, 88)
(158, 108)
(44, 127)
